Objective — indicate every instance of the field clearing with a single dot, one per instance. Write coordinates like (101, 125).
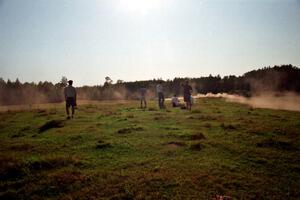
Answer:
(28, 107)
(117, 151)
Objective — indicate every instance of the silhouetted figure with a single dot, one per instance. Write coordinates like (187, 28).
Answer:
(70, 97)
(175, 101)
(160, 94)
(143, 92)
(187, 93)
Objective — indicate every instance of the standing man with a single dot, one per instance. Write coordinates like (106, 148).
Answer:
(70, 97)
(160, 94)
(187, 93)
(143, 92)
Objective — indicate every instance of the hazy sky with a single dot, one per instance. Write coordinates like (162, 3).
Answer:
(87, 40)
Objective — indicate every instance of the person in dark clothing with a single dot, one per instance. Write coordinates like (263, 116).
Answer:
(160, 94)
(143, 92)
(70, 97)
(187, 92)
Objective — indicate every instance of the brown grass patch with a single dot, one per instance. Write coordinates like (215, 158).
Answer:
(159, 118)
(197, 146)
(53, 163)
(129, 130)
(130, 116)
(207, 125)
(174, 145)
(67, 178)
(229, 126)
(21, 147)
(41, 112)
(197, 136)
(152, 109)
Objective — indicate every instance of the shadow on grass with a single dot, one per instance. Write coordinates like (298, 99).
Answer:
(51, 124)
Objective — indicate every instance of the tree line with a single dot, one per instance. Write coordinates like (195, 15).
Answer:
(268, 79)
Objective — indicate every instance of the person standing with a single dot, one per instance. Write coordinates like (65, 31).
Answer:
(160, 94)
(143, 92)
(187, 95)
(70, 97)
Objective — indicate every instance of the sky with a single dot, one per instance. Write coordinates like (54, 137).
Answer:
(87, 40)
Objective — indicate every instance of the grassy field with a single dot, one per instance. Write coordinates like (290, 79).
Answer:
(219, 150)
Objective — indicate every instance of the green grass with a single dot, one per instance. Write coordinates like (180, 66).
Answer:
(118, 151)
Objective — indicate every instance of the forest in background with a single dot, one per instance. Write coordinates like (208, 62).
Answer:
(278, 79)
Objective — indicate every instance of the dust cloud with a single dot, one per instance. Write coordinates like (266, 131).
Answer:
(279, 101)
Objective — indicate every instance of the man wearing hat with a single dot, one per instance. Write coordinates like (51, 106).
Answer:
(70, 97)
